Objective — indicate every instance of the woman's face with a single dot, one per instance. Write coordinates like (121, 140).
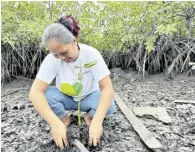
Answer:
(66, 52)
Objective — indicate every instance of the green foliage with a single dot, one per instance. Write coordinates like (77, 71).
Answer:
(107, 26)
(23, 22)
(104, 25)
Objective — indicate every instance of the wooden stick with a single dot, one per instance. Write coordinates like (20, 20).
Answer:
(185, 101)
(138, 126)
(80, 146)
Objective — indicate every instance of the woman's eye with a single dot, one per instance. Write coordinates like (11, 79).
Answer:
(65, 53)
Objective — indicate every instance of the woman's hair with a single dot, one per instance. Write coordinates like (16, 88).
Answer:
(70, 23)
(64, 30)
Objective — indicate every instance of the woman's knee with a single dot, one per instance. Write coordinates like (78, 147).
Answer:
(57, 100)
(111, 110)
(53, 95)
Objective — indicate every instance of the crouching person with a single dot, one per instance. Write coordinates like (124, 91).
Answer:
(64, 61)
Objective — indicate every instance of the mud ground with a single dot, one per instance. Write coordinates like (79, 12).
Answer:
(23, 130)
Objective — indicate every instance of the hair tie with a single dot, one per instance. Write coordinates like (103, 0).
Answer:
(70, 23)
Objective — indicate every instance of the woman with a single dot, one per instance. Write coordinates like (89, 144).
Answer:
(62, 63)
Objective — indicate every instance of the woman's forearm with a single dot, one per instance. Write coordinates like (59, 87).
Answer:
(104, 104)
(40, 103)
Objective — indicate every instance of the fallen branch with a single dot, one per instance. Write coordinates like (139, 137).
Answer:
(138, 126)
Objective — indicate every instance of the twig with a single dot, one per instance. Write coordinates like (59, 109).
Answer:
(187, 59)
(144, 64)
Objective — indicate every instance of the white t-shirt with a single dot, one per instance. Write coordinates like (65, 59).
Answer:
(67, 75)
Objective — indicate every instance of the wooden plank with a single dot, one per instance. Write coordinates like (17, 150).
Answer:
(185, 101)
(138, 126)
(80, 146)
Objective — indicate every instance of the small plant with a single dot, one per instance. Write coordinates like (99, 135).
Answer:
(76, 88)
(80, 77)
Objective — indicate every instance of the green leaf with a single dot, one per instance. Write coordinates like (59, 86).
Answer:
(67, 89)
(77, 66)
(46, 49)
(78, 87)
(90, 64)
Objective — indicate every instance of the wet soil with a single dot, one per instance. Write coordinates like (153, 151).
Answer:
(23, 130)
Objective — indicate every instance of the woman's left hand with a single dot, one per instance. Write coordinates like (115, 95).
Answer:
(95, 132)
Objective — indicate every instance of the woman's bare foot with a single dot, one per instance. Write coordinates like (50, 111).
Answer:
(66, 120)
(87, 119)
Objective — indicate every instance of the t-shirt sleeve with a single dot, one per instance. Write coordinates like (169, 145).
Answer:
(100, 70)
(48, 69)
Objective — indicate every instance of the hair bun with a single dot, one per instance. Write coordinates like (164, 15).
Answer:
(70, 23)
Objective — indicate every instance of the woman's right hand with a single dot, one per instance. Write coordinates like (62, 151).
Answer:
(58, 131)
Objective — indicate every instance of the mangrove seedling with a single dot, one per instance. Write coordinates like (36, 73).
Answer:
(78, 85)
